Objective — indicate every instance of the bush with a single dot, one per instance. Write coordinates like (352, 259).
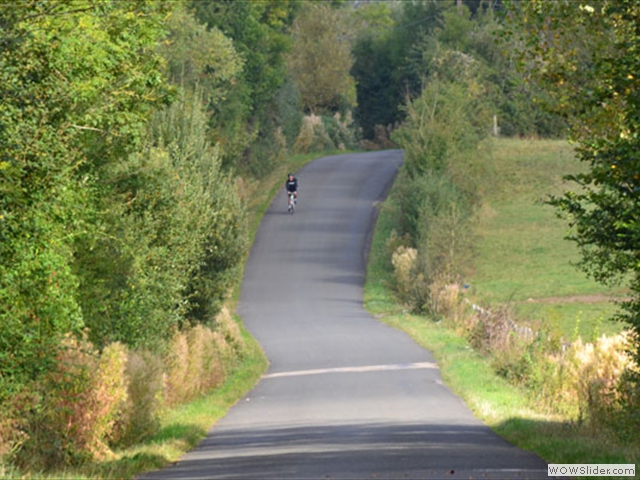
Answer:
(228, 338)
(93, 401)
(593, 372)
(172, 233)
(312, 136)
(200, 358)
(341, 130)
(410, 285)
(439, 217)
(437, 193)
(140, 415)
(71, 418)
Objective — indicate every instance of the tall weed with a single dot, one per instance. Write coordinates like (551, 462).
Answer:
(140, 415)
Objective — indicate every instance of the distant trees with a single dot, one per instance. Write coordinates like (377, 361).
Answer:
(320, 61)
(399, 44)
(380, 91)
(252, 119)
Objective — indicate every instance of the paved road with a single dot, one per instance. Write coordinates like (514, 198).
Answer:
(345, 396)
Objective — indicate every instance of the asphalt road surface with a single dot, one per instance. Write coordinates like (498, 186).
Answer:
(345, 396)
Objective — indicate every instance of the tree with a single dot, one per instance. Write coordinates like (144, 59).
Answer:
(197, 55)
(258, 30)
(321, 61)
(389, 64)
(585, 56)
(374, 67)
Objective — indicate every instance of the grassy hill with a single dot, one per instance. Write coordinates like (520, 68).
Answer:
(524, 260)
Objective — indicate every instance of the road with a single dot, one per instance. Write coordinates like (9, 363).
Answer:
(345, 396)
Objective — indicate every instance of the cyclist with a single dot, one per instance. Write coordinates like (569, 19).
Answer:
(291, 186)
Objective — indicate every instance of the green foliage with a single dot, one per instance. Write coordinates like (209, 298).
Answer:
(258, 33)
(320, 61)
(585, 57)
(128, 229)
(388, 65)
(373, 71)
(447, 119)
(398, 46)
(288, 103)
(445, 237)
(75, 80)
(145, 275)
(259, 36)
(438, 193)
(199, 56)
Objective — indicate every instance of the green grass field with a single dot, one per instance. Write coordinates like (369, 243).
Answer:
(524, 260)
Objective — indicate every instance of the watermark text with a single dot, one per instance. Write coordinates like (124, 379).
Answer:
(591, 470)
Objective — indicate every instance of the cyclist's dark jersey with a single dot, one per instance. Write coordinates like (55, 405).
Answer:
(292, 185)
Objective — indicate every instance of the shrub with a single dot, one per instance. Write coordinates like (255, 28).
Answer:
(404, 261)
(205, 370)
(199, 357)
(73, 416)
(312, 136)
(595, 371)
(341, 130)
(439, 217)
(382, 137)
(591, 383)
(229, 338)
(176, 365)
(445, 300)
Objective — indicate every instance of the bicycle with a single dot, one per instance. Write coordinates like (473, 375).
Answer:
(291, 204)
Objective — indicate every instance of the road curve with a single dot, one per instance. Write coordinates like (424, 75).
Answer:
(345, 396)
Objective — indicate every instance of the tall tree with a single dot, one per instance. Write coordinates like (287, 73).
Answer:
(378, 95)
(389, 66)
(321, 61)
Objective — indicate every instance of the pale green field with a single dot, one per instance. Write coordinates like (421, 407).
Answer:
(523, 258)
